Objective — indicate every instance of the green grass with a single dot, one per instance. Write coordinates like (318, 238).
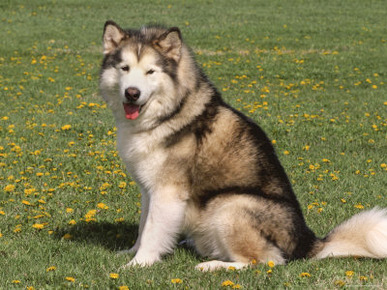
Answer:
(312, 73)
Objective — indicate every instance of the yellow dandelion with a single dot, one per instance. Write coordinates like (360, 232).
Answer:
(114, 275)
(227, 283)
(70, 279)
(9, 188)
(101, 205)
(51, 268)
(72, 222)
(286, 152)
(66, 127)
(26, 202)
(359, 206)
(38, 226)
(340, 283)
(119, 220)
(17, 229)
(67, 236)
(349, 273)
(305, 274)
(176, 281)
(123, 287)
(16, 282)
(271, 264)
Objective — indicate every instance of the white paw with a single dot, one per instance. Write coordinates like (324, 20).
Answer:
(132, 250)
(217, 265)
(142, 261)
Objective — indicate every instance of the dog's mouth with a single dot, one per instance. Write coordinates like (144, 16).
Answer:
(132, 111)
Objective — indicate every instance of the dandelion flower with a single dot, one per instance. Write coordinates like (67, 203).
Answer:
(38, 226)
(70, 279)
(176, 281)
(359, 206)
(66, 127)
(114, 275)
(101, 205)
(305, 274)
(67, 236)
(340, 283)
(52, 268)
(227, 283)
(9, 188)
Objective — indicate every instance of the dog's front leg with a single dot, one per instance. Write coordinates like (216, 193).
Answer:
(143, 217)
(162, 226)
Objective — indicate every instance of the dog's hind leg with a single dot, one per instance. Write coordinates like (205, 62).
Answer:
(236, 232)
(162, 226)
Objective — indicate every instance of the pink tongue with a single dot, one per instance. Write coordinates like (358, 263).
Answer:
(132, 111)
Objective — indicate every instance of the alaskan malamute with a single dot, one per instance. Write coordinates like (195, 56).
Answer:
(204, 169)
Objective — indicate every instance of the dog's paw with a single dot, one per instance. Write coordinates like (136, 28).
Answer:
(218, 265)
(132, 250)
(142, 262)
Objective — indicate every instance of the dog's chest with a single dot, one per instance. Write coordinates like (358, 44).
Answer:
(143, 157)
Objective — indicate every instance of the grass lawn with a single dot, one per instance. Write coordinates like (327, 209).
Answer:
(312, 73)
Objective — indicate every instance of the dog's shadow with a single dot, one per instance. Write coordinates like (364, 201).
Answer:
(113, 236)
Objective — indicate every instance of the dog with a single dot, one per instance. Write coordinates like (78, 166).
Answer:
(204, 169)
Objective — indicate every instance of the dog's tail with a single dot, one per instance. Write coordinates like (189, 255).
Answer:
(363, 235)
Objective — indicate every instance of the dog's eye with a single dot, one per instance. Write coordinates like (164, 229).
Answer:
(125, 68)
(149, 72)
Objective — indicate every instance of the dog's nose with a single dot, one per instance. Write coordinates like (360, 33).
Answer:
(132, 94)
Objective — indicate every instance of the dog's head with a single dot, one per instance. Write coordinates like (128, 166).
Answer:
(139, 70)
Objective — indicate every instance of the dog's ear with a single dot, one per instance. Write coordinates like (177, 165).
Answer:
(112, 36)
(169, 43)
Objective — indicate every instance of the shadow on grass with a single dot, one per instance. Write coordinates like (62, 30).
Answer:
(113, 236)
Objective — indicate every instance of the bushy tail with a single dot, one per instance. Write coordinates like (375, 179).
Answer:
(363, 235)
